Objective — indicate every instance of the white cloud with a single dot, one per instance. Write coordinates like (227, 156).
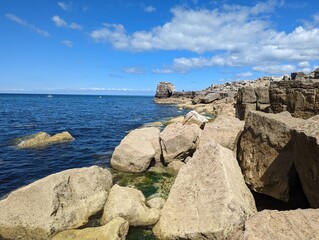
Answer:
(24, 23)
(198, 31)
(304, 64)
(59, 22)
(186, 64)
(274, 69)
(306, 70)
(233, 35)
(64, 6)
(244, 74)
(75, 26)
(133, 70)
(150, 9)
(67, 43)
(162, 71)
(114, 33)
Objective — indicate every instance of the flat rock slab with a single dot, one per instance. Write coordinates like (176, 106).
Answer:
(43, 139)
(283, 225)
(58, 202)
(209, 199)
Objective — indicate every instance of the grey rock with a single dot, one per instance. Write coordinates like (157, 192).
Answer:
(164, 90)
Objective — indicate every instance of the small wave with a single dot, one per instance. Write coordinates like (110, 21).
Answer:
(24, 126)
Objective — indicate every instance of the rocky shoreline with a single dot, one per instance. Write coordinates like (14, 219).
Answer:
(195, 177)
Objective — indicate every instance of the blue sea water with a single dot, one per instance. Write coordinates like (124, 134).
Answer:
(97, 124)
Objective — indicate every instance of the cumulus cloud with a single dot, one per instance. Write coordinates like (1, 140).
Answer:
(196, 30)
(150, 9)
(274, 69)
(24, 23)
(304, 64)
(114, 33)
(232, 35)
(64, 6)
(59, 22)
(67, 43)
(162, 71)
(133, 70)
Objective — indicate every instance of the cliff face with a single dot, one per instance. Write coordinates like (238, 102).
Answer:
(165, 90)
(299, 97)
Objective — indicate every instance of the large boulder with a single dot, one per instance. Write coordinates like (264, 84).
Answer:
(179, 141)
(42, 139)
(194, 117)
(61, 201)
(299, 97)
(286, 225)
(306, 158)
(262, 95)
(246, 95)
(137, 150)
(251, 98)
(117, 229)
(129, 203)
(164, 90)
(209, 199)
(264, 154)
(224, 130)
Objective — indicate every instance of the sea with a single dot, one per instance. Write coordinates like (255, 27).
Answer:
(98, 124)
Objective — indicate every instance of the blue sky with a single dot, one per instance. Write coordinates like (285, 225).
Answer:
(127, 47)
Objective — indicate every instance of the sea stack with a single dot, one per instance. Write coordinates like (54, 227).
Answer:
(165, 90)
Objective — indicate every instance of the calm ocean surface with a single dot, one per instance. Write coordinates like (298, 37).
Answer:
(97, 124)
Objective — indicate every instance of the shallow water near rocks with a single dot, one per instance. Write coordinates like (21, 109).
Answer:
(97, 124)
(150, 183)
(155, 182)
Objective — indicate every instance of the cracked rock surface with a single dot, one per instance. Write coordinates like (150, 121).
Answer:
(209, 199)
(58, 202)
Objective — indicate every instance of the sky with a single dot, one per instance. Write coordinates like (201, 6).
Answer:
(128, 47)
